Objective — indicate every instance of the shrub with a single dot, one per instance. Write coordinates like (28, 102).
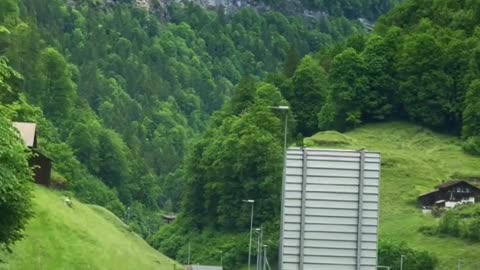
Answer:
(472, 145)
(449, 224)
(389, 254)
(95, 192)
(15, 185)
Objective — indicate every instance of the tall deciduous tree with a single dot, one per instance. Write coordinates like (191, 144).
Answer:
(15, 184)
(348, 92)
(238, 159)
(56, 89)
(471, 119)
(309, 94)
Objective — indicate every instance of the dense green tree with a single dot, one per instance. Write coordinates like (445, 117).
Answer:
(15, 184)
(236, 160)
(471, 119)
(243, 95)
(56, 89)
(379, 61)
(389, 253)
(291, 64)
(113, 165)
(8, 76)
(348, 94)
(9, 13)
(309, 94)
(84, 139)
(421, 66)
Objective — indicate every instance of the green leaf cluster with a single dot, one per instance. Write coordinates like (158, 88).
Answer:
(420, 65)
(15, 184)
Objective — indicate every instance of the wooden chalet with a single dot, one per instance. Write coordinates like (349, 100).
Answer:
(169, 218)
(41, 164)
(450, 194)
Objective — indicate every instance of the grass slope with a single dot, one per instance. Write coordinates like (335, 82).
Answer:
(414, 161)
(85, 237)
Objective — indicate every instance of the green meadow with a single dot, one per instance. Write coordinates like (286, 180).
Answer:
(79, 238)
(414, 161)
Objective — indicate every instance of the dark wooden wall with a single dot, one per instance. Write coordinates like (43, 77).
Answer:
(42, 168)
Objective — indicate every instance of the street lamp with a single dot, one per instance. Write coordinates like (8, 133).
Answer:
(252, 202)
(259, 248)
(264, 257)
(285, 110)
(221, 257)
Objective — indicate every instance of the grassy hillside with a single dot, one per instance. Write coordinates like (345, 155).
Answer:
(85, 237)
(414, 160)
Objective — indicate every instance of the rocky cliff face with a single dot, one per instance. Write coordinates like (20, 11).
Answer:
(289, 7)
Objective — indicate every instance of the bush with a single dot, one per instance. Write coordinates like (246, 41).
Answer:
(463, 222)
(428, 230)
(389, 254)
(472, 145)
(15, 185)
(95, 192)
(473, 230)
(58, 181)
(449, 224)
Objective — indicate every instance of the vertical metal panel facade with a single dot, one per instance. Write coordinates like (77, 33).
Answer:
(331, 210)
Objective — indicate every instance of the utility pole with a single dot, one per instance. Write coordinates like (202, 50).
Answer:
(221, 258)
(459, 265)
(402, 257)
(264, 257)
(189, 253)
(252, 202)
(258, 244)
(259, 248)
(284, 109)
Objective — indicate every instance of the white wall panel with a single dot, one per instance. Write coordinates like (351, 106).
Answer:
(328, 198)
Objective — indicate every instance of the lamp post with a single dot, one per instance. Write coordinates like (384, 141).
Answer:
(259, 249)
(221, 257)
(252, 202)
(284, 109)
(189, 253)
(264, 267)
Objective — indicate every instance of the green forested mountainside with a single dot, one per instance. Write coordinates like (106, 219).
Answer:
(118, 93)
(419, 65)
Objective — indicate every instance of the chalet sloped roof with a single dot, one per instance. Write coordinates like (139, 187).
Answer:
(447, 185)
(169, 216)
(28, 131)
(453, 183)
(428, 194)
